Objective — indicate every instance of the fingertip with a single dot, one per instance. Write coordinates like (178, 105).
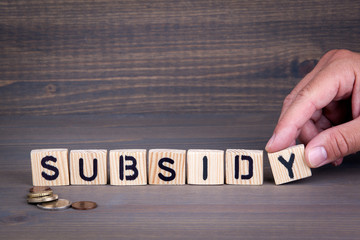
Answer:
(281, 139)
(269, 144)
(316, 156)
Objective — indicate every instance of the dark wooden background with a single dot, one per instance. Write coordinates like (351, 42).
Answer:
(167, 74)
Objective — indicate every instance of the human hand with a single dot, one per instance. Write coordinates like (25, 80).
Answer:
(323, 111)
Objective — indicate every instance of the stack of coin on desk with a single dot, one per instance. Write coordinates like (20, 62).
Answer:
(46, 199)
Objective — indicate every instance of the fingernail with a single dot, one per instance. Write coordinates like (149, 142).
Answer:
(270, 142)
(317, 156)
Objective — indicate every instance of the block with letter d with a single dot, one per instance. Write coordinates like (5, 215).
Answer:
(244, 167)
(50, 167)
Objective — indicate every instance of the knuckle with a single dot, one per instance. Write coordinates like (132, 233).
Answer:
(331, 52)
(339, 144)
(288, 100)
(341, 55)
(305, 92)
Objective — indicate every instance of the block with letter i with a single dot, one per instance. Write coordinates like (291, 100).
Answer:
(50, 167)
(128, 167)
(88, 167)
(244, 167)
(205, 166)
(167, 166)
(289, 164)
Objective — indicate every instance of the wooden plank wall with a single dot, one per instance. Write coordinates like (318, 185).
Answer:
(138, 57)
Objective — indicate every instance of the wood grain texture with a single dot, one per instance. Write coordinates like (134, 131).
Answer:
(257, 176)
(126, 57)
(298, 209)
(59, 160)
(94, 167)
(298, 167)
(209, 173)
(178, 166)
(140, 157)
(167, 74)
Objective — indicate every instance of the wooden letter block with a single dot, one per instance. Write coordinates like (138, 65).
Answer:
(205, 166)
(289, 164)
(50, 167)
(88, 167)
(128, 167)
(244, 167)
(167, 166)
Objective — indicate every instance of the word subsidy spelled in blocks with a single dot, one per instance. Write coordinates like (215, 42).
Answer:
(128, 167)
(289, 164)
(244, 167)
(50, 167)
(167, 166)
(205, 166)
(88, 167)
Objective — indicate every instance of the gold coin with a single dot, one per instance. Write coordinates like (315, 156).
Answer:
(84, 205)
(40, 194)
(59, 204)
(43, 199)
(37, 189)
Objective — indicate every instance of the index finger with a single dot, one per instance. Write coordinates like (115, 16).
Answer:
(290, 98)
(334, 82)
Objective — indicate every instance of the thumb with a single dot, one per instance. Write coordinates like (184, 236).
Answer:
(333, 144)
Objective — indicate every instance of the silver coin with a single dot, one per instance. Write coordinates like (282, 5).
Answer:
(43, 199)
(59, 204)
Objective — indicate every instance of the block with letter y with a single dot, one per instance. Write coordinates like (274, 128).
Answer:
(289, 164)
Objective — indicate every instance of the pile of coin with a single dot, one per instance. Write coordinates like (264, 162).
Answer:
(47, 200)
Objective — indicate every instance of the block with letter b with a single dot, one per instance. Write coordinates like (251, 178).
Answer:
(167, 166)
(205, 166)
(88, 167)
(128, 167)
(50, 167)
(289, 164)
(244, 167)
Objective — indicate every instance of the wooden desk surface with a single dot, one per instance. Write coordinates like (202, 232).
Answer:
(167, 74)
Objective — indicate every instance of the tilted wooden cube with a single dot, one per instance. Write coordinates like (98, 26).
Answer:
(167, 166)
(50, 167)
(205, 166)
(88, 167)
(289, 164)
(128, 167)
(244, 167)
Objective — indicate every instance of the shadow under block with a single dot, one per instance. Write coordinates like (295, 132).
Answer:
(167, 166)
(289, 164)
(244, 167)
(50, 167)
(205, 166)
(88, 167)
(128, 167)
